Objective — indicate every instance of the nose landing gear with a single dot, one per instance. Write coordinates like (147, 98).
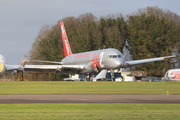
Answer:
(112, 74)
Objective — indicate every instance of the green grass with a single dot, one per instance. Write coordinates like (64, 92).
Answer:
(89, 111)
(61, 87)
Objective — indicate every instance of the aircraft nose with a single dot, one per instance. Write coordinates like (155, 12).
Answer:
(117, 63)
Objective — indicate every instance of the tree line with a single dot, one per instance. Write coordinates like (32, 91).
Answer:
(150, 32)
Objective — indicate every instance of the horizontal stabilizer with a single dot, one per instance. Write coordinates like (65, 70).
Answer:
(101, 75)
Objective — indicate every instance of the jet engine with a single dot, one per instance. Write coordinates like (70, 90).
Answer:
(2, 65)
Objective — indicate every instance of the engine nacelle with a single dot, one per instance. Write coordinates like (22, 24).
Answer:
(2, 65)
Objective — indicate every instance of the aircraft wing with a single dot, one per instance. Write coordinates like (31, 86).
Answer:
(44, 61)
(52, 68)
(61, 69)
(144, 61)
(12, 67)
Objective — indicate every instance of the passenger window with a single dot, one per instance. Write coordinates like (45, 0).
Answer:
(114, 56)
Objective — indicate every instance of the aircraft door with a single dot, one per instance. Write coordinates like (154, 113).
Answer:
(101, 61)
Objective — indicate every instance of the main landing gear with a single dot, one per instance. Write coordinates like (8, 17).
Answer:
(87, 77)
(21, 76)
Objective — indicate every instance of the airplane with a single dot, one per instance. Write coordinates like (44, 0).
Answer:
(97, 61)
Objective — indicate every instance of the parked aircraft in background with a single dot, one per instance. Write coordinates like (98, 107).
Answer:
(2, 65)
(98, 61)
(172, 74)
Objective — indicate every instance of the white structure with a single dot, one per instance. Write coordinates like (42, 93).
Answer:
(119, 79)
(73, 78)
(172, 74)
(129, 78)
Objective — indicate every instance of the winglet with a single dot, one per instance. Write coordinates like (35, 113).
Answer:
(66, 46)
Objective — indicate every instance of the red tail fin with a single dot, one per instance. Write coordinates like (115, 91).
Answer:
(66, 46)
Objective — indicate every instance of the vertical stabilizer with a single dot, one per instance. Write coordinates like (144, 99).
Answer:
(66, 46)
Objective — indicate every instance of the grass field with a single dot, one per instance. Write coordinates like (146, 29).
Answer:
(62, 87)
(90, 111)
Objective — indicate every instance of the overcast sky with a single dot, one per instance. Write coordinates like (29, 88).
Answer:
(20, 20)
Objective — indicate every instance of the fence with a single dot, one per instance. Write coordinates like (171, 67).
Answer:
(153, 79)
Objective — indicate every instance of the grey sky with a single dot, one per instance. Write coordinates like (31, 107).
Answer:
(20, 20)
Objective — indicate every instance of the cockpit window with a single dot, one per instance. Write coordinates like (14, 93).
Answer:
(114, 56)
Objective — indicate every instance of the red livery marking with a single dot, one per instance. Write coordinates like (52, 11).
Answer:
(67, 50)
(175, 72)
(177, 76)
(95, 62)
(82, 55)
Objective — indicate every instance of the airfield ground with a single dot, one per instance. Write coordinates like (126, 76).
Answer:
(90, 111)
(103, 111)
(62, 87)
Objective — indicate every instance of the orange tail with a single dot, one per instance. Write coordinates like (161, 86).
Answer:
(66, 46)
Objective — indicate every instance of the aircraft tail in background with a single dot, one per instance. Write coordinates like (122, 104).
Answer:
(66, 46)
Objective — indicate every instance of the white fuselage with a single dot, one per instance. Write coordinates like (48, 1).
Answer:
(173, 74)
